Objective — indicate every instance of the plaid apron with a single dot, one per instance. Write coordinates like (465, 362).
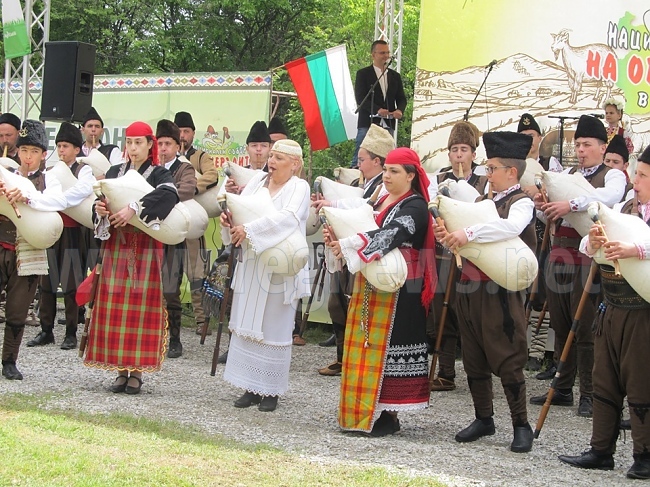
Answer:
(363, 367)
(128, 329)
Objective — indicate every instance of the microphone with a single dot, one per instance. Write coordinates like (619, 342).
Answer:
(597, 115)
(390, 61)
(492, 64)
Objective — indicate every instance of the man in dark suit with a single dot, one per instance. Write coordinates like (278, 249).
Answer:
(387, 101)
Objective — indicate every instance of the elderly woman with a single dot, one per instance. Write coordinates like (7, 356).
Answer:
(128, 325)
(263, 308)
(614, 108)
(385, 353)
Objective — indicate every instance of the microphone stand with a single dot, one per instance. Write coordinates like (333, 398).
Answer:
(490, 68)
(562, 118)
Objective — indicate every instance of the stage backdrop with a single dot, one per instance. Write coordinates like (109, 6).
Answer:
(552, 58)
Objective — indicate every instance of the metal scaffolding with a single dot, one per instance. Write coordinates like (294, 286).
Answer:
(388, 26)
(23, 80)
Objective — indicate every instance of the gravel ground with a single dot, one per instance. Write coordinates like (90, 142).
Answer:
(305, 420)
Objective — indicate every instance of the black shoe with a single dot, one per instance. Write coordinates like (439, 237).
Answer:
(589, 459)
(119, 386)
(640, 469)
(175, 350)
(43, 338)
(533, 364)
(247, 400)
(625, 425)
(476, 430)
(268, 404)
(11, 372)
(547, 374)
(69, 343)
(586, 407)
(133, 390)
(223, 358)
(330, 342)
(385, 425)
(523, 439)
(559, 399)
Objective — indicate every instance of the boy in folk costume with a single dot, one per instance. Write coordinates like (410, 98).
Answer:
(169, 143)
(567, 268)
(617, 156)
(20, 279)
(493, 324)
(462, 144)
(68, 255)
(128, 326)
(621, 345)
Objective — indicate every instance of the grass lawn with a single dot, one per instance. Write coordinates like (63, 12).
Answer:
(67, 448)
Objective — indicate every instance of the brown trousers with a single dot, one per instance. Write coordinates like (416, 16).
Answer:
(67, 263)
(620, 369)
(492, 326)
(20, 294)
(195, 265)
(447, 352)
(337, 306)
(565, 284)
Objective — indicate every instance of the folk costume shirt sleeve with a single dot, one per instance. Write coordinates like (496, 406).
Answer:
(209, 175)
(399, 230)
(51, 199)
(268, 231)
(609, 195)
(519, 216)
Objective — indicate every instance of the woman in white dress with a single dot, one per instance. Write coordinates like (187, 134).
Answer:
(264, 303)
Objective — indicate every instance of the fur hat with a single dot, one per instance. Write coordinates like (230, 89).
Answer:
(617, 146)
(167, 128)
(507, 145)
(184, 119)
(464, 133)
(69, 133)
(527, 122)
(11, 119)
(277, 127)
(645, 156)
(258, 133)
(589, 126)
(378, 141)
(92, 115)
(32, 133)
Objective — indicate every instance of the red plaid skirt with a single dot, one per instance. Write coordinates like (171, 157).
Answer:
(128, 328)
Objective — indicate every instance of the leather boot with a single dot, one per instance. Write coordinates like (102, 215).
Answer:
(248, 399)
(268, 404)
(477, 429)
(590, 459)
(560, 398)
(44, 337)
(640, 469)
(523, 439)
(70, 341)
(10, 371)
(175, 346)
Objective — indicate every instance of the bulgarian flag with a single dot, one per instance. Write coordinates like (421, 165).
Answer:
(324, 87)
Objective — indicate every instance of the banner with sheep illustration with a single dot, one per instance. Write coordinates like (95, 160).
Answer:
(550, 59)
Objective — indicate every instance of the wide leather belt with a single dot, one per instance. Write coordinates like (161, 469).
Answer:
(566, 242)
(617, 291)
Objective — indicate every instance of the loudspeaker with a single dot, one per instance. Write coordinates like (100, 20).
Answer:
(68, 77)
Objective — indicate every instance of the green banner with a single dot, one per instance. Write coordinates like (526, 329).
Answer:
(16, 39)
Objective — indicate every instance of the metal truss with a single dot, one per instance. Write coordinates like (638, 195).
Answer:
(389, 18)
(23, 80)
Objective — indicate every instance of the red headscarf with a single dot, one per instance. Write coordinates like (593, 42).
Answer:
(405, 156)
(141, 129)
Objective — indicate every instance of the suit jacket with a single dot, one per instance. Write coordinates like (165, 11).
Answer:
(395, 98)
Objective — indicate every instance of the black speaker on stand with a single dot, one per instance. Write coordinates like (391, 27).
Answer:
(68, 77)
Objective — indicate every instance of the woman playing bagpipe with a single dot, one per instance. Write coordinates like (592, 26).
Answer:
(128, 329)
(385, 363)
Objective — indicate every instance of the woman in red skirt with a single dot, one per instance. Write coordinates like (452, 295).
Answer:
(128, 325)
